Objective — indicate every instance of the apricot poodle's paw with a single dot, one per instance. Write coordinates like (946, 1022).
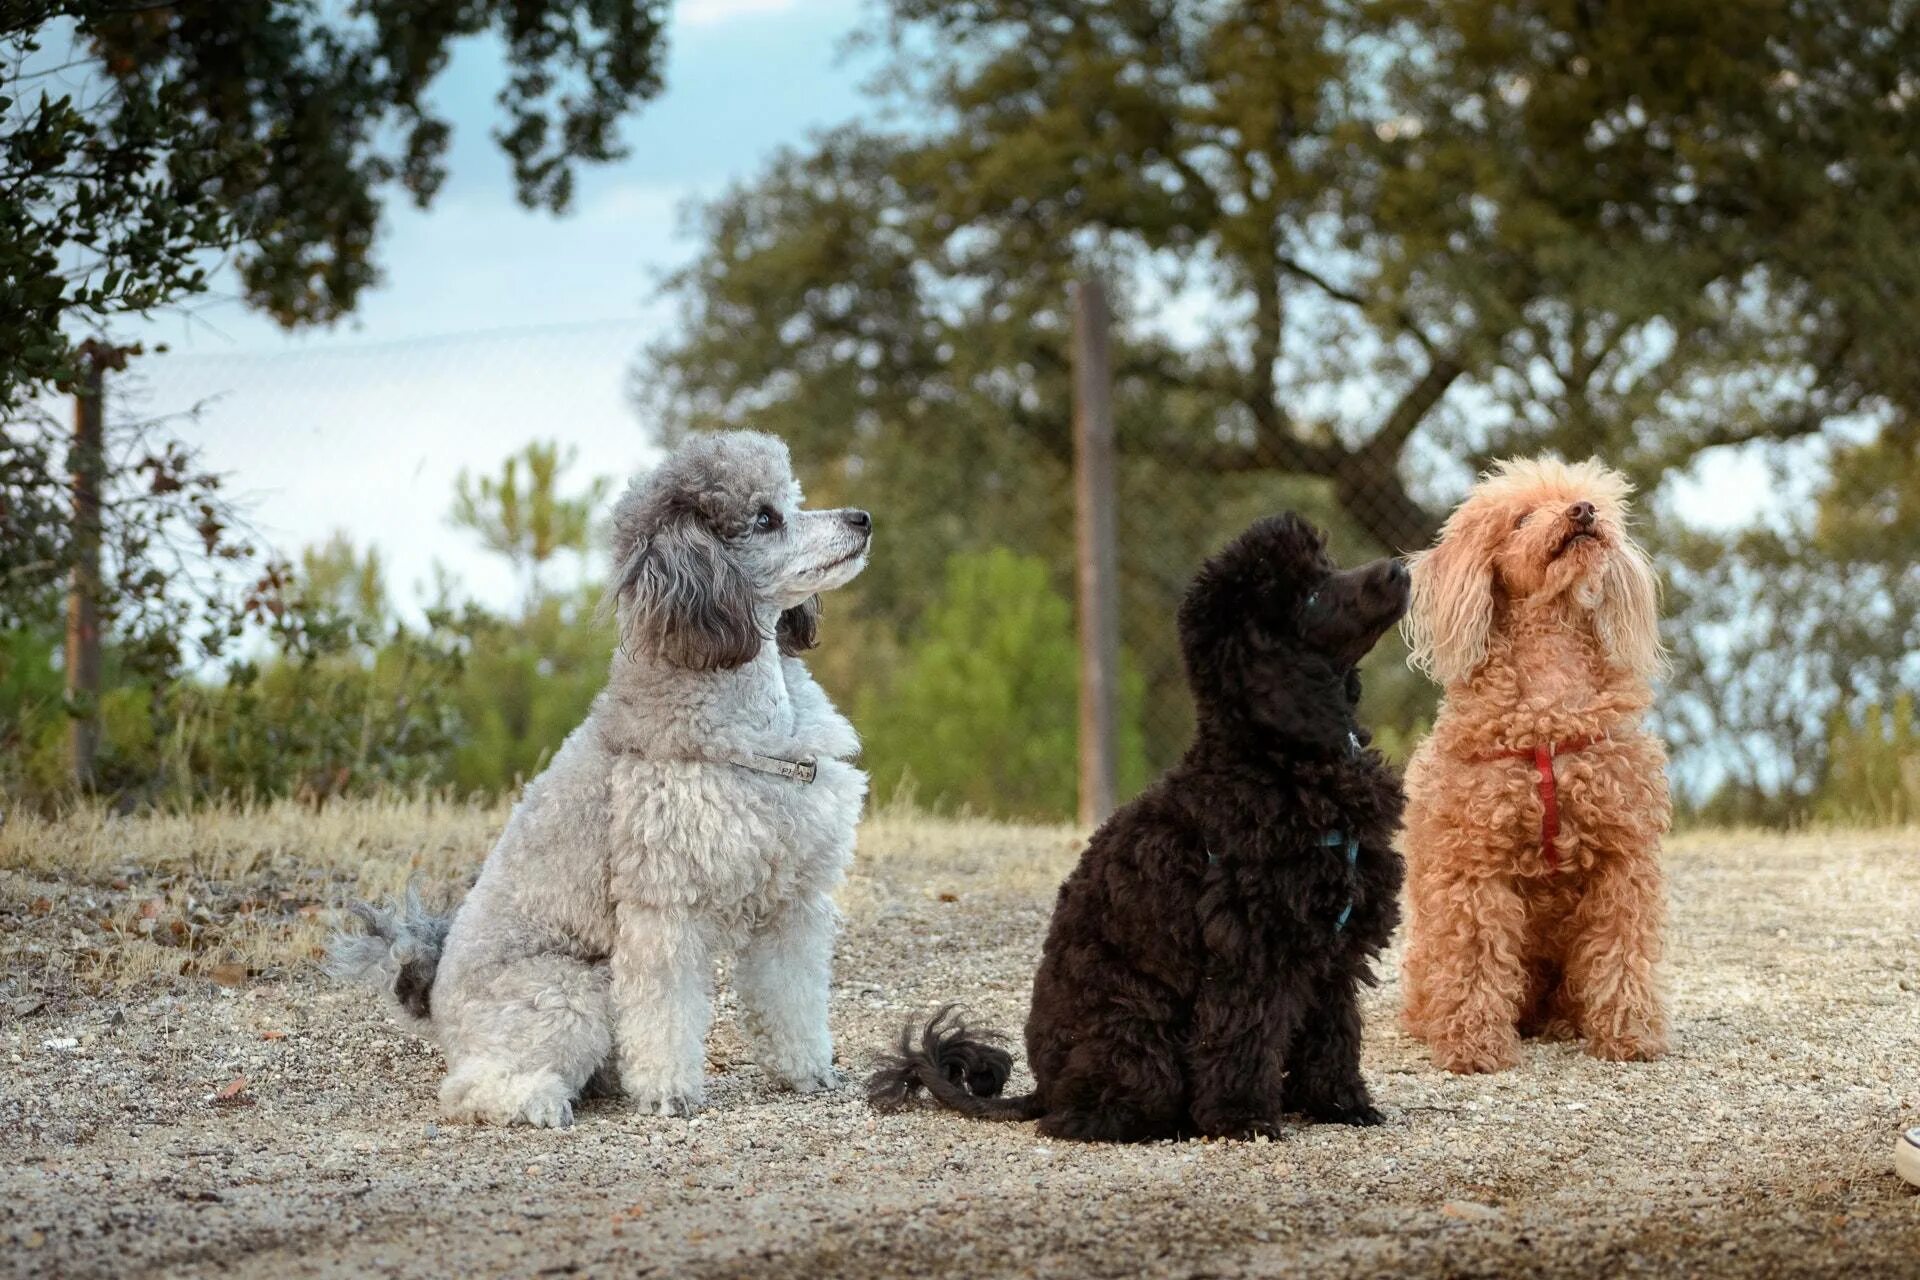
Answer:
(1477, 1055)
(1554, 1030)
(1628, 1048)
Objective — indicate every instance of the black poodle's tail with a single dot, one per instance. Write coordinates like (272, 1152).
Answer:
(961, 1068)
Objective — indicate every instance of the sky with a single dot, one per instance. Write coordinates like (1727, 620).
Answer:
(494, 325)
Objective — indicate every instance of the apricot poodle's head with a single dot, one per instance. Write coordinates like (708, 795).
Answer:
(1543, 532)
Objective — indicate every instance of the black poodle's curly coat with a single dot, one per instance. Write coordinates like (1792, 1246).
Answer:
(1202, 969)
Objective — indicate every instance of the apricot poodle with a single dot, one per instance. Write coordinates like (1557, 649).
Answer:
(1536, 806)
(1201, 971)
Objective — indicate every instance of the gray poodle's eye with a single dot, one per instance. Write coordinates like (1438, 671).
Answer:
(768, 521)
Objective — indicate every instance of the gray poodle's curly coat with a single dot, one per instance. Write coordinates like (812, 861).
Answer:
(706, 805)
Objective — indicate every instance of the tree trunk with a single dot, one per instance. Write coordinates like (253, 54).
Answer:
(1098, 554)
(86, 461)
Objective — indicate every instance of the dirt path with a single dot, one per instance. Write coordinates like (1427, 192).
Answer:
(1759, 1148)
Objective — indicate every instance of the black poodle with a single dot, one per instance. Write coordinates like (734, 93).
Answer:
(1201, 973)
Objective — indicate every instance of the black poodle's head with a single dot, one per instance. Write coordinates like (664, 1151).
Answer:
(1271, 629)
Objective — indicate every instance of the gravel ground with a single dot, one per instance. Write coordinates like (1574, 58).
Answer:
(243, 1117)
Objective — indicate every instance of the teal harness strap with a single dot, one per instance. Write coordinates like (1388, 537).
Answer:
(1333, 840)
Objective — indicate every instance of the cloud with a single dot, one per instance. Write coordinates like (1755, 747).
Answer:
(706, 13)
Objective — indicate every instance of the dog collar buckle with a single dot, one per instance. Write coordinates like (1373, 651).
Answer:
(803, 771)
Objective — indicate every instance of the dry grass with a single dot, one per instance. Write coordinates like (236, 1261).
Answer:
(104, 901)
(108, 902)
(184, 1095)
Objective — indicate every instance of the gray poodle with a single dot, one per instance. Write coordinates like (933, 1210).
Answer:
(706, 805)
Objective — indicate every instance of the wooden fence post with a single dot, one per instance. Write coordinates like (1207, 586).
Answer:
(1097, 554)
(86, 462)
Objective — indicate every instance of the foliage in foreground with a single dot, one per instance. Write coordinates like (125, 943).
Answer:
(272, 131)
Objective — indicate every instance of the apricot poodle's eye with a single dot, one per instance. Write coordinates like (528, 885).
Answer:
(1520, 521)
(767, 521)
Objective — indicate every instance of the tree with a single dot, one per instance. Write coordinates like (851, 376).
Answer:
(528, 521)
(1802, 633)
(1465, 229)
(1358, 251)
(982, 713)
(347, 582)
(169, 538)
(271, 131)
(1875, 767)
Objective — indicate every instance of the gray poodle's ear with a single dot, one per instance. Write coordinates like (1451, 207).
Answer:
(799, 628)
(682, 599)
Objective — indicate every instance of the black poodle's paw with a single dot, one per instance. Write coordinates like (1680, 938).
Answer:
(1113, 1123)
(1239, 1124)
(1345, 1106)
(1361, 1115)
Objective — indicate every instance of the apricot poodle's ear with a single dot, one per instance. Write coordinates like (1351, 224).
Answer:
(1450, 615)
(1627, 618)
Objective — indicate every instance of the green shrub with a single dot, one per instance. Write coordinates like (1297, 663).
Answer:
(982, 710)
(1873, 772)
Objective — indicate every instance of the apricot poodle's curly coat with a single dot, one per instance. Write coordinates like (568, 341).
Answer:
(1201, 971)
(1535, 808)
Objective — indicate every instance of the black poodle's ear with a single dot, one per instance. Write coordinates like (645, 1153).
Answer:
(1353, 686)
(1300, 704)
(682, 599)
(799, 628)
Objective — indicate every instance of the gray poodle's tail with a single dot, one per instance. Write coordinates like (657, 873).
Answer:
(961, 1068)
(399, 953)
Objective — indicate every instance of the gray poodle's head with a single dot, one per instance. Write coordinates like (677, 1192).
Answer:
(713, 556)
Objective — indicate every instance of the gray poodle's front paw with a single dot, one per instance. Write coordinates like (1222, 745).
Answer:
(671, 1102)
(546, 1111)
(815, 1080)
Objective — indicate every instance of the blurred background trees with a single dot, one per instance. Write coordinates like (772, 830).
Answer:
(522, 515)
(144, 148)
(325, 690)
(1357, 251)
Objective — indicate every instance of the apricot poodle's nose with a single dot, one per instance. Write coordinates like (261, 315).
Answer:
(1581, 513)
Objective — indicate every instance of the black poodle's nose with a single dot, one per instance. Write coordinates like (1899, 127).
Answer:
(858, 519)
(1581, 513)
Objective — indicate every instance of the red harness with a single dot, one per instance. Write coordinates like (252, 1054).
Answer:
(1542, 757)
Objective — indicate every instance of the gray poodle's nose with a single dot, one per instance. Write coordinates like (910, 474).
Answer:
(858, 519)
(1581, 513)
